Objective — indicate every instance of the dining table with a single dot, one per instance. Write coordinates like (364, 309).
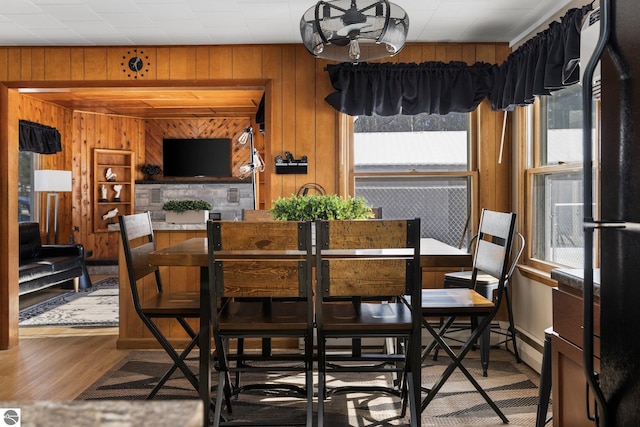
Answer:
(194, 253)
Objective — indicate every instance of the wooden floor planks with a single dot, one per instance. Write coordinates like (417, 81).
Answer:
(56, 363)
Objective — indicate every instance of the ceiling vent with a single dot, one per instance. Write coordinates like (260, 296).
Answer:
(588, 40)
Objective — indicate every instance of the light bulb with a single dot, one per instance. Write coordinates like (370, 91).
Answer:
(245, 170)
(354, 50)
(258, 163)
(318, 45)
(244, 137)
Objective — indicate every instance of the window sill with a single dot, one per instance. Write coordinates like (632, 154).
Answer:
(537, 275)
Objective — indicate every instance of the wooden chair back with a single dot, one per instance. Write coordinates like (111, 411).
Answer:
(136, 233)
(365, 234)
(380, 272)
(259, 235)
(272, 259)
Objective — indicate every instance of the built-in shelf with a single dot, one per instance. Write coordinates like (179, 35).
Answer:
(121, 164)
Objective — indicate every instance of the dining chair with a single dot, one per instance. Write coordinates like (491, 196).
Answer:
(151, 301)
(262, 274)
(254, 215)
(366, 274)
(491, 256)
(486, 285)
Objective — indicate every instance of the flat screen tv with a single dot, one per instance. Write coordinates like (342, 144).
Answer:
(201, 157)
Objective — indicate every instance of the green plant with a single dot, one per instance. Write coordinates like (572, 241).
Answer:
(315, 206)
(187, 205)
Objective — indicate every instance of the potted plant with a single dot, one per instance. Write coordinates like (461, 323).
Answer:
(316, 206)
(187, 211)
(150, 170)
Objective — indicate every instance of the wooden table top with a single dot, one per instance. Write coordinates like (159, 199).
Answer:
(193, 252)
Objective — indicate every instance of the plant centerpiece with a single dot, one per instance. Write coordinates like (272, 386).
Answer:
(150, 170)
(324, 207)
(187, 211)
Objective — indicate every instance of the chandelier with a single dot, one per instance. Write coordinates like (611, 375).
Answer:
(354, 30)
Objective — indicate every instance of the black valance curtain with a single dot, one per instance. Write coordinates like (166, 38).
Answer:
(547, 62)
(39, 138)
(388, 89)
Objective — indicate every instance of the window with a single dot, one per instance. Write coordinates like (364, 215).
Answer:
(417, 166)
(26, 161)
(555, 181)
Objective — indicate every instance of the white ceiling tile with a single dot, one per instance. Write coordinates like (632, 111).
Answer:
(42, 2)
(112, 6)
(250, 21)
(93, 29)
(37, 21)
(175, 12)
(128, 20)
(10, 7)
(70, 13)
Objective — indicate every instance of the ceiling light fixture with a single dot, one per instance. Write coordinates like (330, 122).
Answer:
(354, 30)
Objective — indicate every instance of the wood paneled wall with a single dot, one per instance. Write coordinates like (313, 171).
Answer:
(297, 120)
(212, 127)
(92, 131)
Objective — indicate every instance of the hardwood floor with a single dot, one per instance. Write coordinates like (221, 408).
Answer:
(57, 363)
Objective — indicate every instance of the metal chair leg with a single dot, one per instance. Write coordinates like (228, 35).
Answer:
(456, 362)
(512, 326)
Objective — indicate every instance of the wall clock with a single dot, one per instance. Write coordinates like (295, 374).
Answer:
(135, 63)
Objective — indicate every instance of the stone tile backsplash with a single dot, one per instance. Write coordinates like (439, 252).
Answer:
(229, 199)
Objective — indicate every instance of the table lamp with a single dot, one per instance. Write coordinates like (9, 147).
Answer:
(52, 182)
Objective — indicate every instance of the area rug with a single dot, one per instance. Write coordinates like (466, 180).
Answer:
(514, 388)
(93, 307)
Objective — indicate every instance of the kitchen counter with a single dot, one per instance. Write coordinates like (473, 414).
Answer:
(109, 413)
(168, 226)
(574, 278)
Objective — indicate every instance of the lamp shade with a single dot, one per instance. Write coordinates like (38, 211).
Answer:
(354, 30)
(52, 180)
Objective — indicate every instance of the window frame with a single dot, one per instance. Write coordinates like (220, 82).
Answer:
(347, 174)
(530, 136)
(34, 200)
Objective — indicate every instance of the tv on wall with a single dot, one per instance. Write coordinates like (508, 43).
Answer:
(199, 157)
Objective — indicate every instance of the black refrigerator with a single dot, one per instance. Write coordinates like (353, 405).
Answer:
(618, 222)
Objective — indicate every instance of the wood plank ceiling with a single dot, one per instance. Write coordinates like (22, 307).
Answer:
(155, 102)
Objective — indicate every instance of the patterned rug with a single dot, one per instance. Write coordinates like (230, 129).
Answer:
(93, 307)
(514, 388)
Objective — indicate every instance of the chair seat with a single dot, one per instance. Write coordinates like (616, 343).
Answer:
(454, 301)
(381, 316)
(464, 278)
(264, 316)
(183, 304)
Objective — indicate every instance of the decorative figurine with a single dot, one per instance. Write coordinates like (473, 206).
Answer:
(103, 191)
(117, 188)
(109, 175)
(111, 214)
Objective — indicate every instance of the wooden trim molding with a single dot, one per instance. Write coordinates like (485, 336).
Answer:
(537, 275)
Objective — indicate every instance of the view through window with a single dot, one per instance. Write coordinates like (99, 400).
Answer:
(404, 165)
(557, 204)
(25, 188)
